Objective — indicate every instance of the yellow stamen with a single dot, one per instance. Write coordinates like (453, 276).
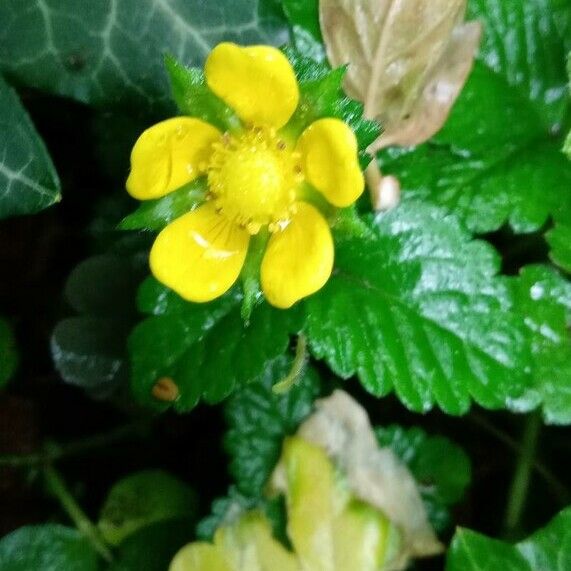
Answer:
(253, 179)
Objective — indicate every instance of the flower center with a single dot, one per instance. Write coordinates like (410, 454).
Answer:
(252, 179)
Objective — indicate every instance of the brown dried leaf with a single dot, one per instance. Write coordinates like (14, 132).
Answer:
(408, 60)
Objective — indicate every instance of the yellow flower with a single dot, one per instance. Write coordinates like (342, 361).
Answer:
(259, 183)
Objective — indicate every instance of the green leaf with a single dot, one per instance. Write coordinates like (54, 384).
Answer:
(46, 548)
(258, 421)
(193, 97)
(321, 95)
(440, 467)
(206, 349)
(28, 180)
(8, 353)
(418, 308)
(156, 214)
(560, 241)
(89, 350)
(498, 159)
(113, 55)
(152, 548)
(142, 499)
(303, 16)
(549, 549)
(544, 297)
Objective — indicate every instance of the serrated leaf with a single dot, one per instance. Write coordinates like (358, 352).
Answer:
(544, 297)
(441, 468)
(157, 214)
(485, 173)
(8, 353)
(206, 350)
(28, 179)
(407, 60)
(258, 421)
(417, 308)
(47, 548)
(549, 549)
(113, 54)
(165, 498)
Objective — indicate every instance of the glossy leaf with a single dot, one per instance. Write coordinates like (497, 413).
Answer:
(28, 180)
(560, 241)
(258, 421)
(142, 499)
(549, 549)
(303, 16)
(183, 340)
(8, 353)
(113, 54)
(47, 547)
(441, 468)
(476, 167)
(544, 297)
(418, 309)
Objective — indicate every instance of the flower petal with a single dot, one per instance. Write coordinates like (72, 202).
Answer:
(168, 155)
(199, 557)
(298, 260)
(199, 255)
(258, 82)
(330, 161)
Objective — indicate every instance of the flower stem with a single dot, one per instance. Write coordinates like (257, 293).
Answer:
(522, 476)
(85, 526)
(297, 367)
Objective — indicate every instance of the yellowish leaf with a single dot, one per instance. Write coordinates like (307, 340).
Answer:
(408, 60)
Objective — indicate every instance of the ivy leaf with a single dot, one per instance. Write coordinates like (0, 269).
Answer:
(418, 308)
(407, 60)
(485, 173)
(544, 297)
(165, 498)
(258, 421)
(441, 468)
(206, 350)
(303, 16)
(549, 549)
(47, 548)
(113, 55)
(28, 180)
(8, 353)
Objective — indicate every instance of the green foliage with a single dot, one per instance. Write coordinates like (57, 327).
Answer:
(498, 159)
(441, 468)
(193, 97)
(89, 349)
(152, 548)
(8, 353)
(547, 550)
(28, 180)
(113, 55)
(418, 308)
(303, 16)
(182, 339)
(142, 499)
(544, 297)
(156, 214)
(258, 421)
(47, 547)
(560, 241)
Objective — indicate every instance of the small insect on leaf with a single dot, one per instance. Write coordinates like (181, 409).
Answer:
(166, 390)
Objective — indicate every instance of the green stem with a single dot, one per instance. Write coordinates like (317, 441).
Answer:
(297, 367)
(78, 447)
(85, 526)
(522, 476)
